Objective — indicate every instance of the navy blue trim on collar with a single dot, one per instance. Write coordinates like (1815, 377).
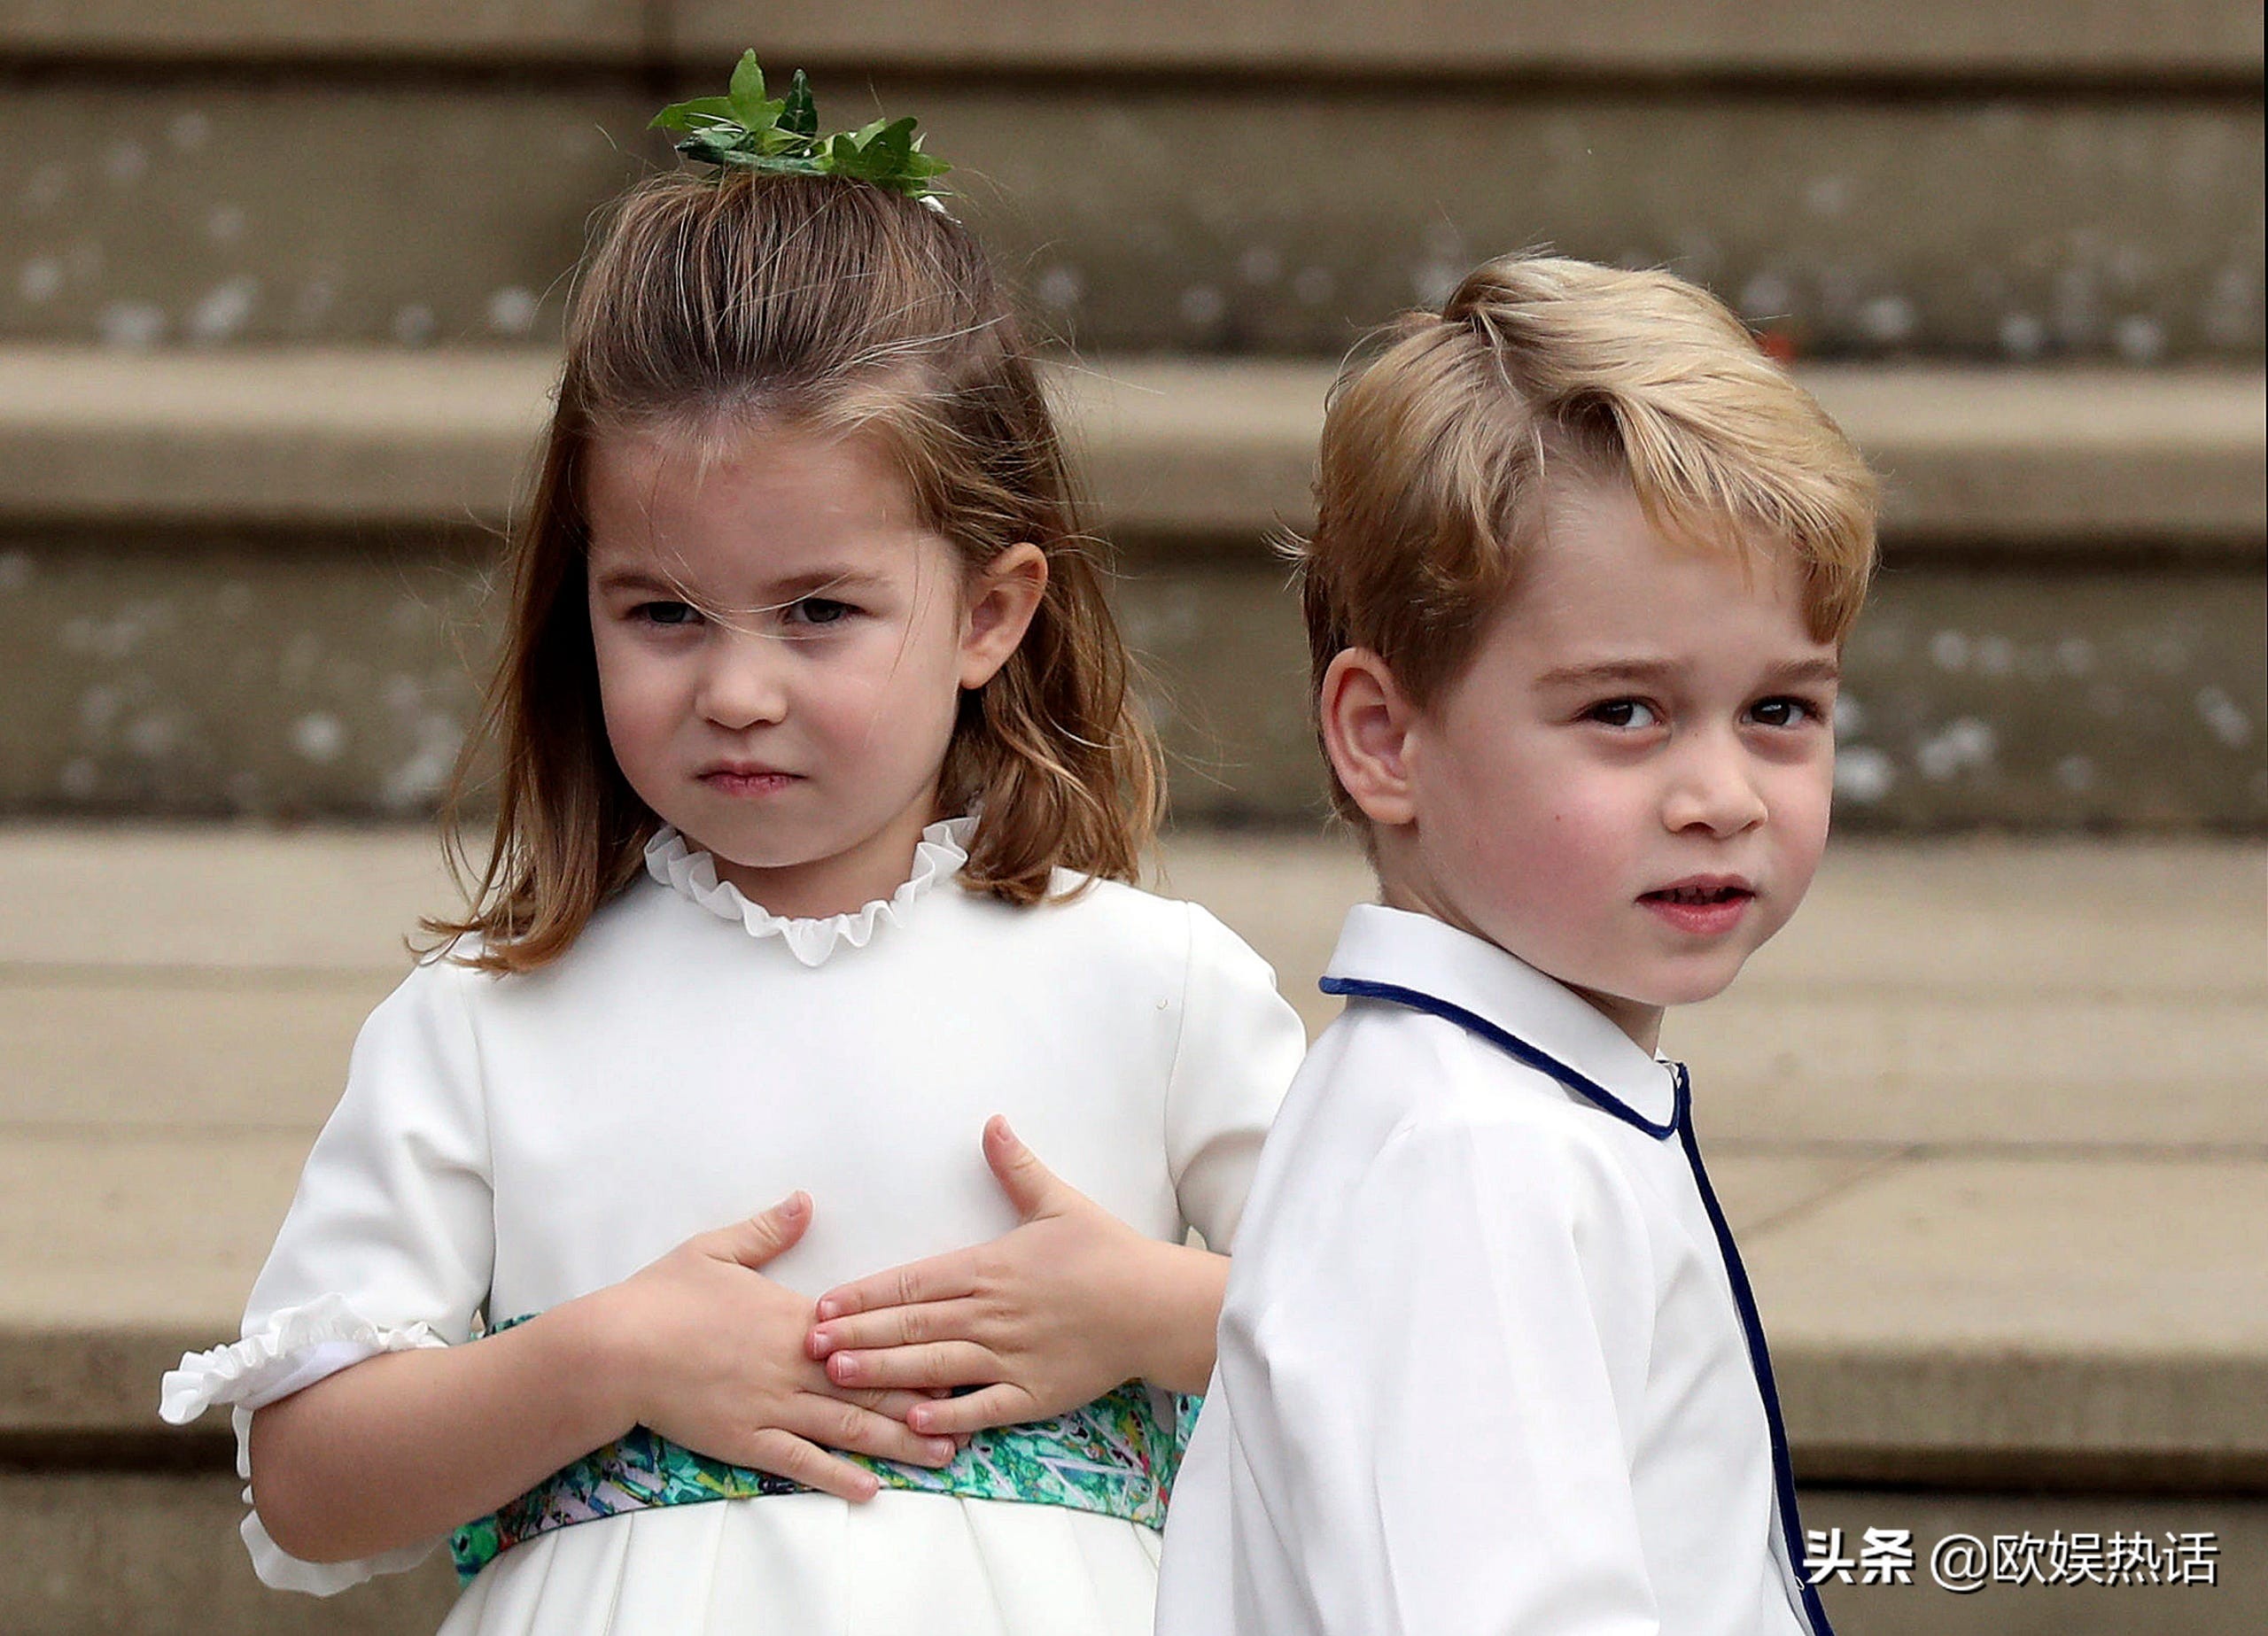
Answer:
(1783, 1477)
(1759, 1357)
(1512, 1046)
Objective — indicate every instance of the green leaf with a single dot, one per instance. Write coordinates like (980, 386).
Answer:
(685, 116)
(895, 138)
(746, 130)
(748, 100)
(800, 116)
(747, 84)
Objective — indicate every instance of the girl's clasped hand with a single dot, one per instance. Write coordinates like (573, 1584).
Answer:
(719, 1367)
(1042, 1319)
(906, 1364)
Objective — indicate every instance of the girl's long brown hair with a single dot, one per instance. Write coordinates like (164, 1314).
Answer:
(810, 302)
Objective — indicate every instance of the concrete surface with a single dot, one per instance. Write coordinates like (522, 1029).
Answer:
(2011, 1271)
(2002, 1204)
(1999, 223)
(2051, 693)
(1944, 39)
(2070, 458)
(314, 32)
(2071, 633)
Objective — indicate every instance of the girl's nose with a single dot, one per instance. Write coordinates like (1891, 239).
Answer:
(743, 682)
(1714, 788)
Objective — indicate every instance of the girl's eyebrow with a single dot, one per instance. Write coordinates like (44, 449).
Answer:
(795, 587)
(814, 581)
(638, 580)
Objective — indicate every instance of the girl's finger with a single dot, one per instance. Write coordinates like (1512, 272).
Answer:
(894, 1403)
(783, 1453)
(859, 1431)
(947, 1277)
(1003, 1404)
(1031, 1186)
(768, 1233)
(899, 1326)
(934, 1363)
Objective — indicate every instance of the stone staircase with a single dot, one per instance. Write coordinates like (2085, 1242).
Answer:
(279, 288)
(2001, 1182)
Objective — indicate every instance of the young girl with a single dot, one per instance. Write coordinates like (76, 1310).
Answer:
(819, 781)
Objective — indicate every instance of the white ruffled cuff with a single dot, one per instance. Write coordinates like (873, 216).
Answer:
(295, 1348)
(686, 869)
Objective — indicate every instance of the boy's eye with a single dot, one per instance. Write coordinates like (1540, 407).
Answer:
(1624, 713)
(1783, 712)
(670, 615)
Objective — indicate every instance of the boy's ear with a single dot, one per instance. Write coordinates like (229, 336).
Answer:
(1001, 602)
(1366, 720)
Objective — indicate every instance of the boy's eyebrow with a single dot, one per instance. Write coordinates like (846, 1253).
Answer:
(1819, 667)
(1607, 670)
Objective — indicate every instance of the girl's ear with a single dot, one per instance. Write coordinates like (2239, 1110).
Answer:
(1366, 720)
(1001, 603)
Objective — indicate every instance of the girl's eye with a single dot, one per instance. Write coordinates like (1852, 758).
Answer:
(1783, 712)
(669, 614)
(819, 610)
(1626, 713)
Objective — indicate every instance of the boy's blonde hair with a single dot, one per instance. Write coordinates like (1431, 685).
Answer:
(1438, 442)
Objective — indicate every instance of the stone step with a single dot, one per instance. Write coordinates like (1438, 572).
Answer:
(1212, 450)
(2072, 635)
(2008, 1263)
(2081, 41)
(1246, 210)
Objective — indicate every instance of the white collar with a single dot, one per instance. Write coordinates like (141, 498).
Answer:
(692, 874)
(1421, 959)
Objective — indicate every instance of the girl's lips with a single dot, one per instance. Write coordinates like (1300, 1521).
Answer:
(727, 782)
(1701, 911)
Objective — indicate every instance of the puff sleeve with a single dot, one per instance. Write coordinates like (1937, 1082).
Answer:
(1240, 1044)
(388, 1245)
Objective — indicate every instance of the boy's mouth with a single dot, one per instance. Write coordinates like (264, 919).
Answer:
(1701, 894)
(1704, 905)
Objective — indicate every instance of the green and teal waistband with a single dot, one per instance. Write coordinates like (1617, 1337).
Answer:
(1116, 1456)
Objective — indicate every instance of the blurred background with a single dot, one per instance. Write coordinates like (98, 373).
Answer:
(280, 287)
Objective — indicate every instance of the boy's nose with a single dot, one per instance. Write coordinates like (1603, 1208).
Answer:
(742, 682)
(1715, 788)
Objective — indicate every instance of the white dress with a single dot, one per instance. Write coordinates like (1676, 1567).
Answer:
(1484, 1367)
(505, 1144)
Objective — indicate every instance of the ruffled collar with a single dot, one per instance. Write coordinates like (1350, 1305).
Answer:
(691, 872)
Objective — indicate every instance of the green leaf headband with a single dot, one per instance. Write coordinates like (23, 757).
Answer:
(744, 130)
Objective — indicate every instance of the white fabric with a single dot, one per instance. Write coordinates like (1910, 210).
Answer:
(675, 862)
(505, 1144)
(1482, 1370)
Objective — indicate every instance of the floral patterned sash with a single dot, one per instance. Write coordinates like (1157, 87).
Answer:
(1113, 1456)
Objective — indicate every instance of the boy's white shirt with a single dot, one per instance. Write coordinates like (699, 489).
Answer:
(1481, 1369)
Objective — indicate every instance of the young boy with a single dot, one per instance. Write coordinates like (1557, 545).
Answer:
(1583, 564)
